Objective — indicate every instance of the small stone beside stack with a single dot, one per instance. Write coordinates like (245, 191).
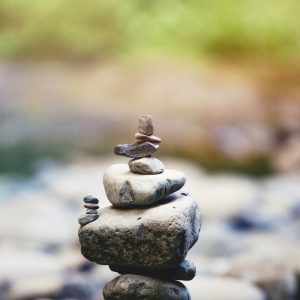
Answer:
(91, 205)
(148, 241)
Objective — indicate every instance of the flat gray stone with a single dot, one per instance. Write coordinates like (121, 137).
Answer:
(185, 271)
(136, 150)
(88, 218)
(158, 237)
(146, 166)
(146, 125)
(136, 287)
(90, 199)
(126, 189)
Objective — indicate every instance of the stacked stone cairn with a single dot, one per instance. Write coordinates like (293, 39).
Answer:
(148, 230)
(91, 205)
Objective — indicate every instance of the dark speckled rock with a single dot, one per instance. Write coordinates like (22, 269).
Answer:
(158, 237)
(185, 271)
(136, 150)
(136, 287)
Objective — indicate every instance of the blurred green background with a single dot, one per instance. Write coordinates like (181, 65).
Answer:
(83, 30)
(222, 81)
(206, 57)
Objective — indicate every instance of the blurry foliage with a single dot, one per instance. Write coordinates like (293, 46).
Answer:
(21, 159)
(94, 28)
(213, 160)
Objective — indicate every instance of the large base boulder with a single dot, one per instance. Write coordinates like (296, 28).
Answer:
(158, 237)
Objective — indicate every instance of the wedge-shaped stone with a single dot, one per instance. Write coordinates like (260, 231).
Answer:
(126, 189)
(158, 237)
(135, 287)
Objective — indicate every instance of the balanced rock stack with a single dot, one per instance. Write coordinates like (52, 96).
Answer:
(91, 205)
(147, 232)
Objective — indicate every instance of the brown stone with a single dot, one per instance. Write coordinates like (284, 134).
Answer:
(150, 138)
(91, 205)
(146, 125)
(136, 150)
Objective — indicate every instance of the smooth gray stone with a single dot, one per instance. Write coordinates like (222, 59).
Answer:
(145, 125)
(90, 199)
(185, 271)
(88, 218)
(136, 150)
(91, 211)
(146, 166)
(158, 237)
(136, 287)
(126, 189)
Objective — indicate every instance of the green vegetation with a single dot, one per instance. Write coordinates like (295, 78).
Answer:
(95, 29)
(21, 159)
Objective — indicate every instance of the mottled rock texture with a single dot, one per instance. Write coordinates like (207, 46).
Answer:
(136, 150)
(146, 125)
(126, 189)
(158, 237)
(185, 271)
(146, 166)
(136, 287)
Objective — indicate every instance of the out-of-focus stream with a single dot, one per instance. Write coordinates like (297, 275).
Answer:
(249, 238)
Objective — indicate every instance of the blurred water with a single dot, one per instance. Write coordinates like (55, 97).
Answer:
(40, 255)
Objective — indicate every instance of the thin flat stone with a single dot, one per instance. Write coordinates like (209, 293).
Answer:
(146, 166)
(150, 138)
(157, 237)
(88, 218)
(90, 199)
(91, 205)
(185, 271)
(91, 211)
(136, 150)
(146, 125)
(136, 287)
(126, 189)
